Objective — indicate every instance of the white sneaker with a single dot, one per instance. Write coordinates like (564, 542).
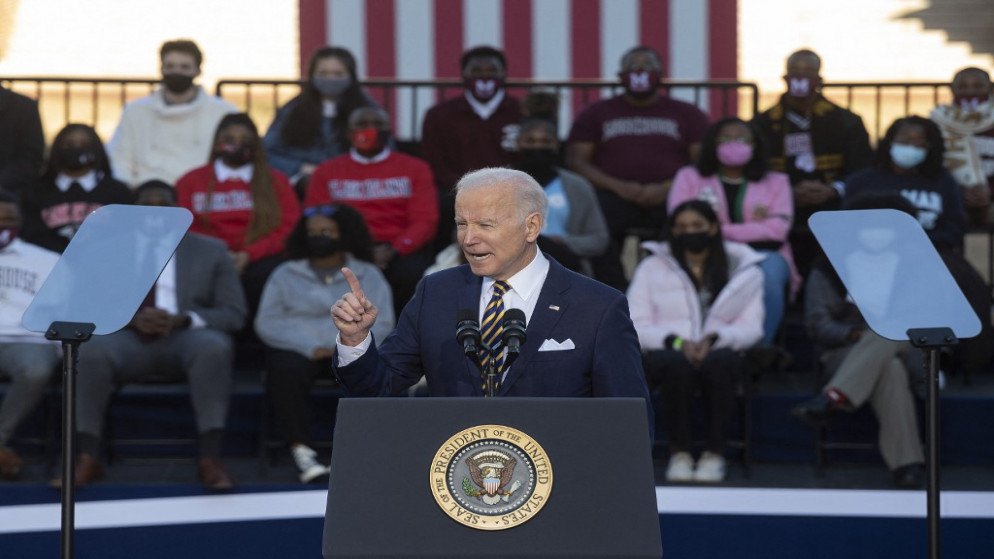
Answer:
(681, 467)
(307, 463)
(710, 468)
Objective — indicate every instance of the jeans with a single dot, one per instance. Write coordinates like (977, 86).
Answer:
(776, 277)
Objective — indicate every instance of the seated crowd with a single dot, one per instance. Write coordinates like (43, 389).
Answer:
(722, 208)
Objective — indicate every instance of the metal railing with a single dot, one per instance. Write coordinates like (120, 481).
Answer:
(881, 103)
(94, 101)
(98, 101)
(408, 100)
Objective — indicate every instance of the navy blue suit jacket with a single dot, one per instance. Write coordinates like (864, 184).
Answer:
(606, 360)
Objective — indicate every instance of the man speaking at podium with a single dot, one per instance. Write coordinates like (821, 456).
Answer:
(579, 339)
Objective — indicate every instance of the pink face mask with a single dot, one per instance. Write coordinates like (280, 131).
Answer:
(734, 153)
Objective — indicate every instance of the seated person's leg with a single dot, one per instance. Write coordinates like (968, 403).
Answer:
(289, 379)
(104, 362)
(29, 367)
(719, 372)
(206, 357)
(894, 406)
(776, 278)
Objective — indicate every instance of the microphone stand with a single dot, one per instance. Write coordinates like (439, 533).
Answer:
(491, 370)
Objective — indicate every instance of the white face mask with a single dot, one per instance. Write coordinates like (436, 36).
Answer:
(907, 156)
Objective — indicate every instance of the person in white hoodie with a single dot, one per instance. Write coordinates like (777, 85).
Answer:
(697, 304)
(164, 135)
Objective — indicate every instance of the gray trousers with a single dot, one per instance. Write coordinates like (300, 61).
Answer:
(30, 367)
(202, 356)
(875, 369)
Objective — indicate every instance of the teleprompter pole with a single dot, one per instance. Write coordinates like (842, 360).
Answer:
(931, 341)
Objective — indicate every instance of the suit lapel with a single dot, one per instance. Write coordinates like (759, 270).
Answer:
(184, 265)
(469, 298)
(550, 308)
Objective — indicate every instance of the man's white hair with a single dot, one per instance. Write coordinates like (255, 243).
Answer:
(528, 198)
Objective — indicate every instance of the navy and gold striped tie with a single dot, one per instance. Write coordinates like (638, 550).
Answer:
(491, 329)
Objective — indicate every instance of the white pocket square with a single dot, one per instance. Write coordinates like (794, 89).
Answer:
(553, 345)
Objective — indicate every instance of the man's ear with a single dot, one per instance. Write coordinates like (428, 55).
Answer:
(533, 225)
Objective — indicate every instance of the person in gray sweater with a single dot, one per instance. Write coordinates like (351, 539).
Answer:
(294, 321)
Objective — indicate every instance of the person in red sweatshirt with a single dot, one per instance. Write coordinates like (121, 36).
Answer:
(237, 198)
(394, 192)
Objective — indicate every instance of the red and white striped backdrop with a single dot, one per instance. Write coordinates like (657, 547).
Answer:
(543, 39)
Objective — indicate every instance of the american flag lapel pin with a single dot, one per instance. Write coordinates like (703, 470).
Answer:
(554, 307)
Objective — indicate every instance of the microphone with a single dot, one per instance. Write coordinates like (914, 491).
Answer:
(468, 333)
(514, 330)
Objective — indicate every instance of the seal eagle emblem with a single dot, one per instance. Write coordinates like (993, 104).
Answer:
(491, 477)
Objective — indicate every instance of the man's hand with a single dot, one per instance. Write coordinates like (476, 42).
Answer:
(151, 321)
(812, 193)
(240, 259)
(307, 169)
(353, 313)
(383, 255)
(654, 194)
(628, 190)
(320, 353)
(978, 196)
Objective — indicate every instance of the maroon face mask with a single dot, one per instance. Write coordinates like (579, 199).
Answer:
(640, 83)
(483, 89)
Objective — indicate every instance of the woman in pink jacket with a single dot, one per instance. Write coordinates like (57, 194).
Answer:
(754, 204)
(696, 303)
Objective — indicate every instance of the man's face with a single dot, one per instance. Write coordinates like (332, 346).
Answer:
(176, 62)
(10, 215)
(640, 61)
(971, 84)
(496, 241)
(368, 118)
(538, 137)
(802, 77)
(483, 67)
(159, 197)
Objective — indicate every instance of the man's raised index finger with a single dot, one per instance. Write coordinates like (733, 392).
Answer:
(353, 283)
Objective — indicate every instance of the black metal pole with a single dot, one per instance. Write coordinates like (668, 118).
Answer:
(932, 450)
(931, 341)
(70, 352)
(71, 334)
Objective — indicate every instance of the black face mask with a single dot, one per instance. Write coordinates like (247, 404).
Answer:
(235, 155)
(177, 83)
(75, 159)
(540, 163)
(693, 242)
(320, 245)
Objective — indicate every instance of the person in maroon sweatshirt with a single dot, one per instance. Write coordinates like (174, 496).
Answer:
(237, 198)
(394, 192)
(474, 130)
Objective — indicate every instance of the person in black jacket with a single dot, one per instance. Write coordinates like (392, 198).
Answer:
(817, 143)
(22, 141)
(76, 181)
